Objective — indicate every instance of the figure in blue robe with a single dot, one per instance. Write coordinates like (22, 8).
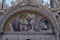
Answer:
(15, 25)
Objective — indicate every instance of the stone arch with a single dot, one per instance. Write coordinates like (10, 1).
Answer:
(58, 13)
(57, 17)
(31, 8)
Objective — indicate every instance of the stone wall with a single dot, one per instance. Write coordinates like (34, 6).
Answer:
(31, 37)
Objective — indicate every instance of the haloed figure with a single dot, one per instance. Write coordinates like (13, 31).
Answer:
(15, 25)
(44, 25)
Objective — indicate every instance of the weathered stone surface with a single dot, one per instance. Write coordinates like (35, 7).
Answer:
(39, 9)
(32, 37)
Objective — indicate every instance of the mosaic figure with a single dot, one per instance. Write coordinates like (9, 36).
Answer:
(23, 25)
(15, 25)
(36, 28)
(30, 23)
(44, 24)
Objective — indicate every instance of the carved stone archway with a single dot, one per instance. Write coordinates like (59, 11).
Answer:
(35, 9)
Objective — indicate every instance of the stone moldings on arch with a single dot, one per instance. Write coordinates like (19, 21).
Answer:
(58, 18)
(31, 8)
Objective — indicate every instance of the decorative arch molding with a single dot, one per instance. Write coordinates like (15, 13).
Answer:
(31, 8)
(57, 16)
(58, 12)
